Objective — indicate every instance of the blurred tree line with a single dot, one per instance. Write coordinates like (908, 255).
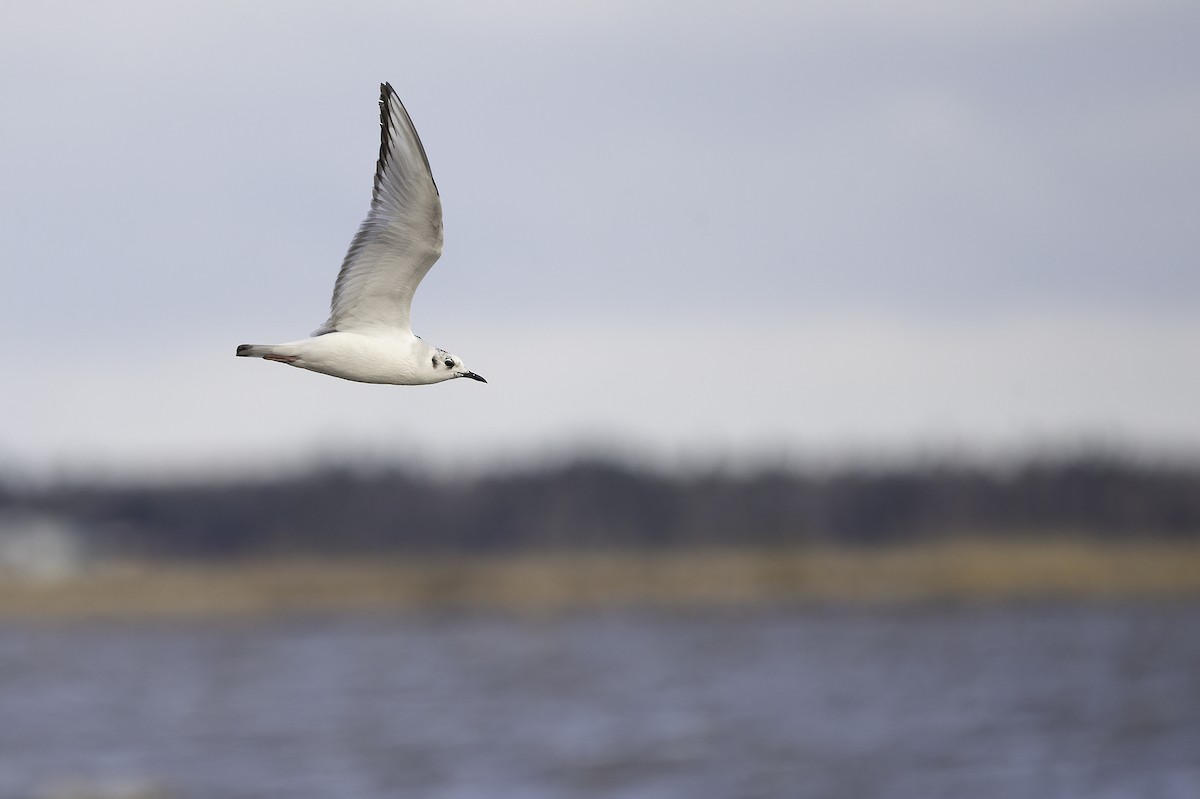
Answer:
(595, 504)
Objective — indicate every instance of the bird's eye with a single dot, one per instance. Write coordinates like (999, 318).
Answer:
(449, 363)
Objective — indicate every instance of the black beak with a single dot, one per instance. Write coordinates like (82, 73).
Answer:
(473, 376)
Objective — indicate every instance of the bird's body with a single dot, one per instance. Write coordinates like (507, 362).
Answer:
(386, 356)
(367, 337)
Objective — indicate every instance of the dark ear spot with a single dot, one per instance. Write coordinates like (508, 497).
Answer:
(433, 360)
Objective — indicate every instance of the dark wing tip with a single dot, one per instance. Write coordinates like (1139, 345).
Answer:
(386, 125)
(386, 92)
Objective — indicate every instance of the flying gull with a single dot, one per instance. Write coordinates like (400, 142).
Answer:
(367, 336)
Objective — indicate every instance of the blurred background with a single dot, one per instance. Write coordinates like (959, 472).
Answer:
(840, 437)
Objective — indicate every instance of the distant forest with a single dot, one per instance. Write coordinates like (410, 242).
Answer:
(598, 504)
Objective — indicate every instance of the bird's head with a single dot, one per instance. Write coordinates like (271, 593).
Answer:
(447, 366)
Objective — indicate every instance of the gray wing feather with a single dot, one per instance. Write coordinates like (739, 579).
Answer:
(401, 237)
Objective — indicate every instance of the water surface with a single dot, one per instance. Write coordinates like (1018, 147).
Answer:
(1029, 701)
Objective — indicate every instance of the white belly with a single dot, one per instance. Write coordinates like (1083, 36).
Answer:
(393, 359)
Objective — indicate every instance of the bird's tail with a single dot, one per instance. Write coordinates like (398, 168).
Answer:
(254, 350)
(283, 353)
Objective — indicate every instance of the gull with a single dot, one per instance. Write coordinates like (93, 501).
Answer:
(367, 337)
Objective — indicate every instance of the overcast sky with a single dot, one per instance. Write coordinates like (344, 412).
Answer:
(694, 230)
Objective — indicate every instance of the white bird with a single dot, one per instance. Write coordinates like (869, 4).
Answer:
(367, 336)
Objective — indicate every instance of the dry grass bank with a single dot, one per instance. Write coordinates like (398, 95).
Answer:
(552, 582)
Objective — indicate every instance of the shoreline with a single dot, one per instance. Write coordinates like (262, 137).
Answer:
(957, 571)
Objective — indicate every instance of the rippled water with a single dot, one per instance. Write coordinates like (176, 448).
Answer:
(1047, 701)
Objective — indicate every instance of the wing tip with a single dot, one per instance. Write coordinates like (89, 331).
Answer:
(386, 93)
(389, 105)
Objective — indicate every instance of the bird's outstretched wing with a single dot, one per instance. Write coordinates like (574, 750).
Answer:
(401, 237)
